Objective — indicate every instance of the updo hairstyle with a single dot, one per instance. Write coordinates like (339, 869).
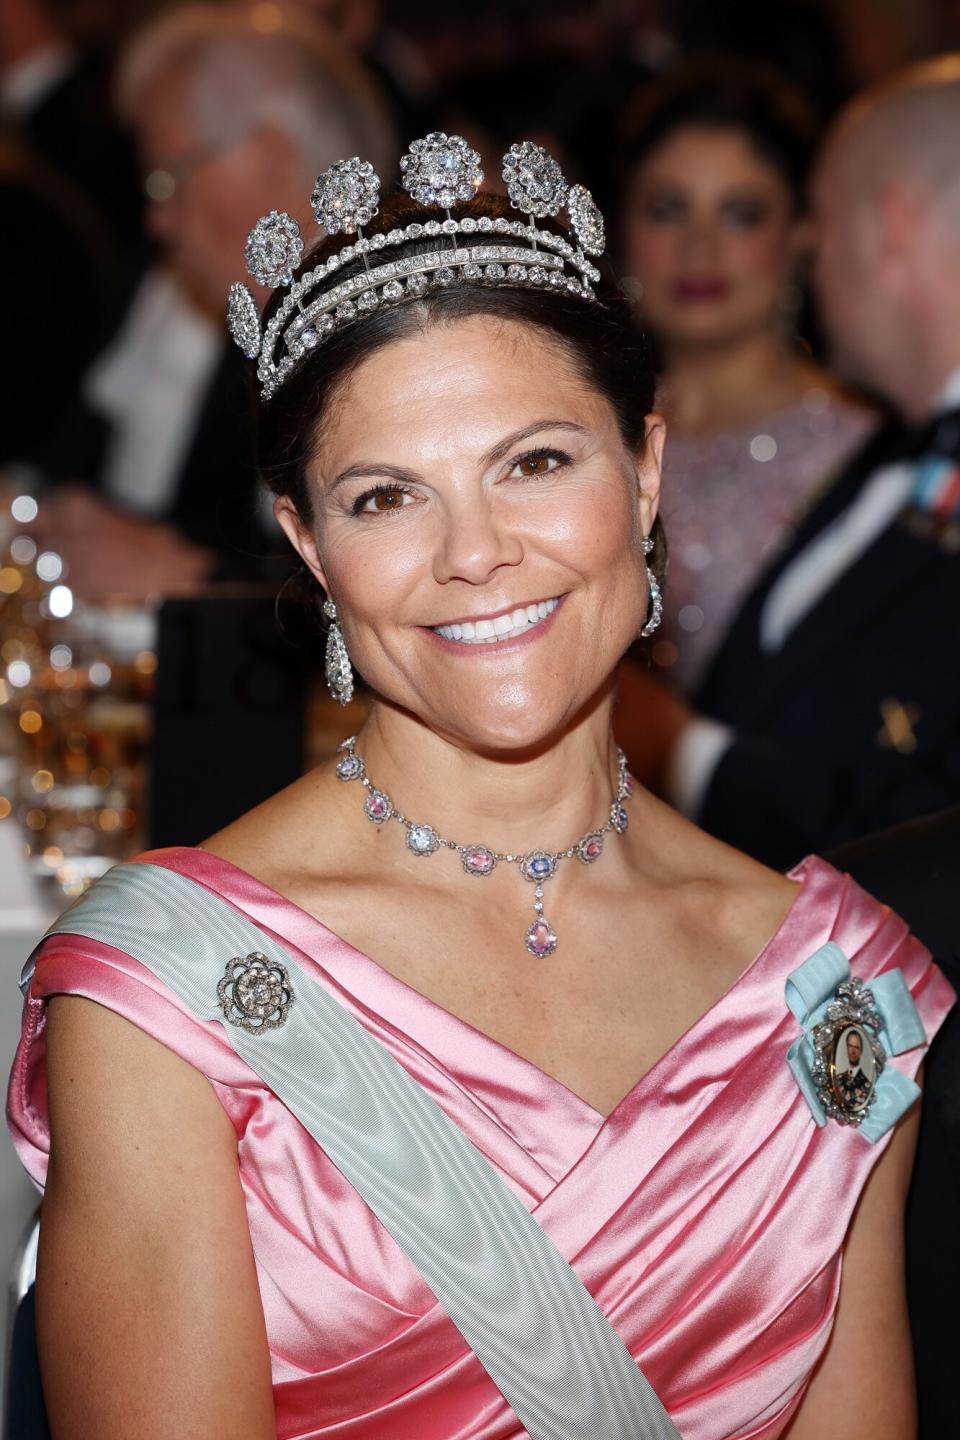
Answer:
(601, 340)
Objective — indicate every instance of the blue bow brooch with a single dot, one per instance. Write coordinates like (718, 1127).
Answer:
(849, 1031)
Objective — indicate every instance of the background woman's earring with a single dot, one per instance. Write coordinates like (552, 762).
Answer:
(338, 670)
(655, 599)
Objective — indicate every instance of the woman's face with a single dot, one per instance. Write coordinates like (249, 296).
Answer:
(478, 522)
(711, 236)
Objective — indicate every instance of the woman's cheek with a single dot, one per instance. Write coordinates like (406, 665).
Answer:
(762, 254)
(651, 252)
(372, 563)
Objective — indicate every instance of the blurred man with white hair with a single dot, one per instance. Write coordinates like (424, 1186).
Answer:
(236, 110)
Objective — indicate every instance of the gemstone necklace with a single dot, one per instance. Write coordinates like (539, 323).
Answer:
(536, 866)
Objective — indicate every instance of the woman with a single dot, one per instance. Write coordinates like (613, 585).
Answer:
(715, 235)
(468, 469)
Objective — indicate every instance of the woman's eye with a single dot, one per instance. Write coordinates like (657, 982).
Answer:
(745, 214)
(381, 501)
(663, 210)
(539, 462)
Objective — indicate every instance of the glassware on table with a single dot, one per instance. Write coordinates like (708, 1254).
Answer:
(75, 692)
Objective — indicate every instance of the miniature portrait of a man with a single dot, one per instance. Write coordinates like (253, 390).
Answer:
(854, 1069)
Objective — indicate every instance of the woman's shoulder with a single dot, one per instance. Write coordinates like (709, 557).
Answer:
(271, 841)
(758, 914)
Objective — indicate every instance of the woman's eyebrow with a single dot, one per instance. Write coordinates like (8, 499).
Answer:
(502, 447)
(363, 468)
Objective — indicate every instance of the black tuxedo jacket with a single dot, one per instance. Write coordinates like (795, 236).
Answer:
(914, 868)
(216, 500)
(76, 132)
(812, 764)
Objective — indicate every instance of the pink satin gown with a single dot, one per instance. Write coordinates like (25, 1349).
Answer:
(706, 1214)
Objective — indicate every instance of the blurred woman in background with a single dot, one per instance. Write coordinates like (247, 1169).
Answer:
(715, 237)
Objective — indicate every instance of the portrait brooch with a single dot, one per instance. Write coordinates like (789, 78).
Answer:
(850, 1030)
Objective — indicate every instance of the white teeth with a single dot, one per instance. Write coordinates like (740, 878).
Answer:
(504, 627)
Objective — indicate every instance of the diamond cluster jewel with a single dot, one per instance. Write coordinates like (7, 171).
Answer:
(586, 220)
(255, 993)
(274, 249)
(440, 170)
(536, 866)
(346, 196)
(534, 180)
(243, 318)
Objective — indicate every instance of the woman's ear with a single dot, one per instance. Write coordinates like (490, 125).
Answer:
(301, 537)
(649, 468)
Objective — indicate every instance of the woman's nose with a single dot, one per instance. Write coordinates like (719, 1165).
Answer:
(699, 238)
(475, 543)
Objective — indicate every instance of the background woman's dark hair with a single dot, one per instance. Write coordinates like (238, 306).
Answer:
(722, 93)
(601, 340)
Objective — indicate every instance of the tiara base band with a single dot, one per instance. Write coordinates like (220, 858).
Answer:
(411, 278)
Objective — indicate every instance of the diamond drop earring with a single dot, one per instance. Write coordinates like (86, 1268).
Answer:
(655, 601)
(337, 667)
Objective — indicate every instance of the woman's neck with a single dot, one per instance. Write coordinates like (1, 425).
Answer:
(706, 392)
(546, 799)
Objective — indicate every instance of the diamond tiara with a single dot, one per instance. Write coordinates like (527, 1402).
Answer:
(440, 170)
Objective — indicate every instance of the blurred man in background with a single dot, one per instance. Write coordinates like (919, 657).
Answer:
(833, 706)
(235, 110)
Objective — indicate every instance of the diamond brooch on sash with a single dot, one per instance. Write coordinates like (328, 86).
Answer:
(255, 993)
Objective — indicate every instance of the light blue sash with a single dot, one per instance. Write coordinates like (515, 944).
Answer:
(528, 1317)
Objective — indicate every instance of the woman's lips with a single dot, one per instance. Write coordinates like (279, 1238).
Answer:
(498, 646)
(709, 288)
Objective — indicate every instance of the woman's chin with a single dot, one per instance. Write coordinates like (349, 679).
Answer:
(520, 724)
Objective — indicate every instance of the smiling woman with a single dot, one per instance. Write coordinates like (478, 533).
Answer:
(405, 1167)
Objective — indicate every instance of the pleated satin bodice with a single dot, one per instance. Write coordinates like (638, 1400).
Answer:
(706, 1214)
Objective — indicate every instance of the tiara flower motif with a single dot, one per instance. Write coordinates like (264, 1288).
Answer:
(439, 171)
(274, 248)
(346, 197)
(534, 180)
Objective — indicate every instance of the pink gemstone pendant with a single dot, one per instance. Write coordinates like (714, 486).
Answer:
(541, 938)
(378, 807)
(478, 860)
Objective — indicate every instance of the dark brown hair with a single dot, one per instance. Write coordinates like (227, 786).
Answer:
(718, 92)
(601, 340)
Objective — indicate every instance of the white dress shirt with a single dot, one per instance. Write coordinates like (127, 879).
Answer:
(150, 384)
(26, 84)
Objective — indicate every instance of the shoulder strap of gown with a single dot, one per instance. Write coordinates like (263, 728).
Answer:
(524, 1312)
